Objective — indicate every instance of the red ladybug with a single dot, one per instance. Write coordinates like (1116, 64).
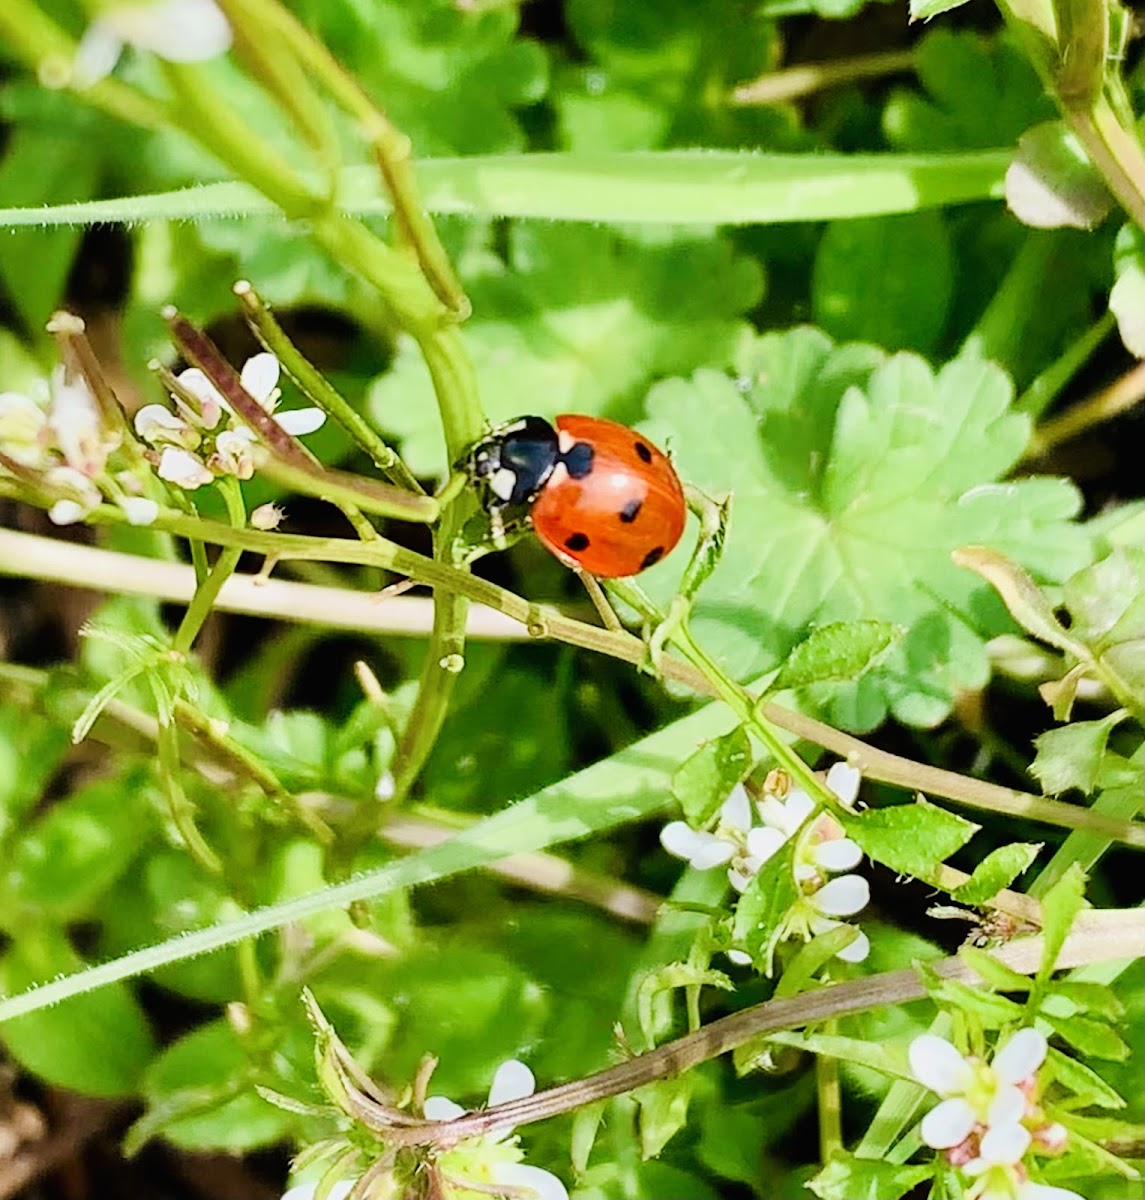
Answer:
(599, 495)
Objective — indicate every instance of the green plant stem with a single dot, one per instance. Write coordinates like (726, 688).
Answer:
(181, 809)
(830, 1105)
(207, 592)
(391, 147)
(1114, 151)
(316, 386)
(1048, 385)
(541, 622)
(1094, 410)
(778, 87)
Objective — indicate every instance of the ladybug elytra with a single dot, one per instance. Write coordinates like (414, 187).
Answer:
(597, 494)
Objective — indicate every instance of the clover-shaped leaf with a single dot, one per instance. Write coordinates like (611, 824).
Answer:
(581, 320)
(976, 94)
(854, 477)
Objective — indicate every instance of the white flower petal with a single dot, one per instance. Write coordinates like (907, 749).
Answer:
(680, 839)
(739, 879)
(857, 951)
(763, 842)
(947, 1124)
(96, 55)
(194, 381)
(138, 509)
(512, 1081)
(842, 897)
(1043, 1191)
(178, 30)
(736, 809)
(260, 376)
(798, 806)
(937, 1065)
(152, 421)
(301, 421)
(740, 957)
(843, 780)
(305, 1191)
(66, 512)
(712, 852)
(441, 1108)
(1004, 1145)
(536, 1183)
(183, 468)
(838, 854)
(1007, 1107)
(1021, 1056)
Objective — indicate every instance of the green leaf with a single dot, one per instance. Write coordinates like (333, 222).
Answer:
(1089, 1037)
(1060, 905)
(765, 903)
(99, 1044)
(1070, 757)
(995, 973)
(1082, 1081)
(1052, 183)
(1090, 997)
(846, 1177)
(663, 1111)
(201, 1095)
(706, 777)
(840, 650)
(909, 838)
(996, 871)
(866, 284)
(1127, 297)
(680, 187)
(834, 445)
(581, 320)
(926, 10)
(972, 91)
(995, 1012)
(801, 972)
(82, 844)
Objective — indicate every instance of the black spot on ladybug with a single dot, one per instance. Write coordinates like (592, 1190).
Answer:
(651, 558)
(579, 541)
(578, 461)
(643, 453)
(631, 511)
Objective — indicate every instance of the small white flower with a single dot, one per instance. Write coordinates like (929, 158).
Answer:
(77, 423)
(234, 453)
(138, 509)
(80, 495)
(976, 1096)
(24, 430)
(305, 1191)
(267, 517)
(733, 841)
(259, 378)
(999, 1172)
(494, 1160)
(159, 426)
(178, 30)
(183, 468)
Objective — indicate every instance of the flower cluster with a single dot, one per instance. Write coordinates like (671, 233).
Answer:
(61, 437)
(489, 1167)
(821, 854)
(193, 444)
(989, 1122)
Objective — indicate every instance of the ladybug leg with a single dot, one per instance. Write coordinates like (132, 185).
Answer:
(714, 516)
(599, 599)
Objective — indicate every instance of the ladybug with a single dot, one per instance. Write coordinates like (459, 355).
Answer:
(597, 494)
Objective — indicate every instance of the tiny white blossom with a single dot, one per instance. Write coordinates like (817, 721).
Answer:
(138, 510)
(183, 468)
(999, 1173)
(234, 453)
(306, 1191)
(77, 424)
(267, 517)
(24, 430)
(159, 426)
(80, 495)
(493, 1161)
(178, 30)
(259, 377)
(976, 1096)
